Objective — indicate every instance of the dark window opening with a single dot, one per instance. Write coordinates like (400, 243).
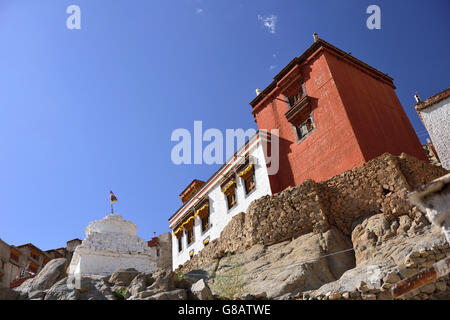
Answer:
(180, 244)
(14, 257)
(249, 183)
(305, 128)
(205, 223)
(293, 100)
(231, 199)
(190, 236)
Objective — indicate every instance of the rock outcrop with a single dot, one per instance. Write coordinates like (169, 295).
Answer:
(35, 288)
(285, 244)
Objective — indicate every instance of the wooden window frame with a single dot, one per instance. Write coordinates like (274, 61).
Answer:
(188, 232)
(205, 226)
(231, 195)
(252, 178)
(180, 244)
(302, 136)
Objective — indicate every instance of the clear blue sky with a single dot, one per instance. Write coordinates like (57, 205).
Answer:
(92, 110)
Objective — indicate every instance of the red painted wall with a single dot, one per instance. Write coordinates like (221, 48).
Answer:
(357, 117)
(330, 149)
(375, 113)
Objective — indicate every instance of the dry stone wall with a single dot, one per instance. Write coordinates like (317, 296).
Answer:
(379, 186)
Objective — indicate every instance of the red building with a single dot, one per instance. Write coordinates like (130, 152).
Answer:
(333, 112)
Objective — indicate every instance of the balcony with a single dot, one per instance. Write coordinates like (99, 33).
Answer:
(299, 111)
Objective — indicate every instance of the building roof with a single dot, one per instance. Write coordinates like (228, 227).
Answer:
(153, 242)
(76, 239)
(29, 245)
(34, 247)
(433, 100)
(309, 52)
(194, 182)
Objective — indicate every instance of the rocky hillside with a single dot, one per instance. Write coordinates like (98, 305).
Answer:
(350, 237)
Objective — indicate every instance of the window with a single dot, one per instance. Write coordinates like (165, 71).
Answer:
(228, 188)
(203, 213)
(14, 257)
(180, 244)
(249, 184)
(190, 235)
(231, 199)
(247, 174)
(35, 256)
(293, 100)
(304, 128)
(205, 223)
(157, 252)
(33, 267)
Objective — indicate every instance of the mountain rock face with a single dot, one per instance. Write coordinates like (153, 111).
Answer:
(350, 237)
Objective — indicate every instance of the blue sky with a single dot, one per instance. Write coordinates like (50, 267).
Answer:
(92, 110)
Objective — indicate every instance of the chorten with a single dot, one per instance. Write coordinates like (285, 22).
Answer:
(111, 244)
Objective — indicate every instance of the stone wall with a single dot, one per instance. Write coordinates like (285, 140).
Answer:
(379, 186)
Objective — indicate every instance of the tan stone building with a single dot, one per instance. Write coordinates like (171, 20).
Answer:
(17, 263)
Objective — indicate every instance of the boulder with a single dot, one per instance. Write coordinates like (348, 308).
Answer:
(288, 267)
(47, 277)
(23, 289)
(201, 290)
(62, 291)
(164, 281)
(140, 283)
(80, 288)
(123, 277)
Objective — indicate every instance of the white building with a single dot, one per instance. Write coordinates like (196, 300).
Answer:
(111, 244)
(435, 115)
(209, 206)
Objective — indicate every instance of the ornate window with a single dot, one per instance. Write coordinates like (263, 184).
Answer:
(247, 174)
(306, 127)
(228, 188)
(203, 213)
(180, 243)
(296, 97)
(190, 236)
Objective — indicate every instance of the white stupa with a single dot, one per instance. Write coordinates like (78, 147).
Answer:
(111, 244)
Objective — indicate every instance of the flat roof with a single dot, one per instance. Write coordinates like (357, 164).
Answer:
(310, 51)
(433, 100)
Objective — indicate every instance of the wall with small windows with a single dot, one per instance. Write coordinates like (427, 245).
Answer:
(206, 228)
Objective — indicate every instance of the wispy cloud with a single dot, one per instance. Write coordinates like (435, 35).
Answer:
(199, 11)
(272, 67)
(269, 22)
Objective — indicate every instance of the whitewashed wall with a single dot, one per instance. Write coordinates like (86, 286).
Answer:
(437, 122)
(220, 216)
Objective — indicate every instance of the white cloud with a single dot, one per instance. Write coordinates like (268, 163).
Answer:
(199, 11)
(269, 22)
(272, 67)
